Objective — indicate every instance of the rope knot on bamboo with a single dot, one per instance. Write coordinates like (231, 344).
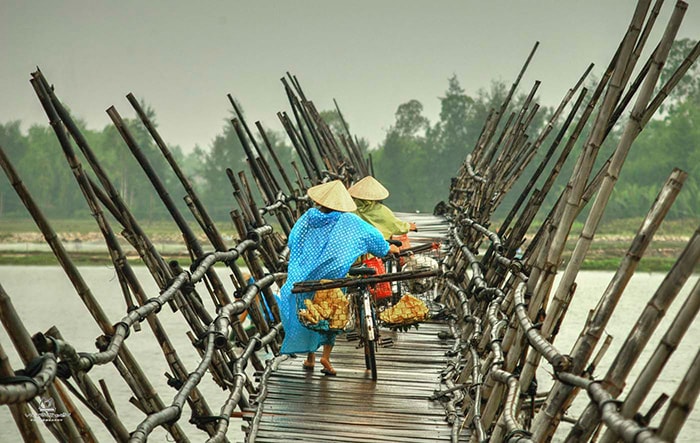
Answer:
(158, 303)
(174, 382)
(26, 375)
(202, 421)
(562, 363)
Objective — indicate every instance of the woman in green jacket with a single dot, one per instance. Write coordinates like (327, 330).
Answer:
(368, 194)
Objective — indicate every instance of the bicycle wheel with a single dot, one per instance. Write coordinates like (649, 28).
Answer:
(369, 333)
(370, 357)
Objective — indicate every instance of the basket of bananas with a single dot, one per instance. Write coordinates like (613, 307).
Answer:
(408, 311)
(324, 310)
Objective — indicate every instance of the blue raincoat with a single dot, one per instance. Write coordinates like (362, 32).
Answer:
(322, 245)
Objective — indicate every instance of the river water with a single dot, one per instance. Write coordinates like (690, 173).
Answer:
(44, 297)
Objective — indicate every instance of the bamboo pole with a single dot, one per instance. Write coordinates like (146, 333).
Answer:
(298, 104)
(560, 395)
(95, 401)
(20, 411)
(54, 242)
(207, 224)
(553, 146)
(627, 98)
(342, 164)
(196, 400)
(537, 197)
(575, 188)
(191, 308)
(139, 384)
(640, 334)
(668, 344)
(66, 263)
(671, 83)
(148, 398)
(313, 163)
(187, 233)
(360, 166)
(267, 191)
(499, 114)
(510, 143)
(259, 175)
(682, 402)
(114, 203)
(66, 429)
(632, 130)
(305, 161)
(571, 203)
(280, 168)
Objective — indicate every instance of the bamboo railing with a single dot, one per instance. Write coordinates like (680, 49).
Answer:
(504, 309)
(531, 313)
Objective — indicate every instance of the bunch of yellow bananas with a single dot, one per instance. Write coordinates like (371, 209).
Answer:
(407, 311)
(329, 304)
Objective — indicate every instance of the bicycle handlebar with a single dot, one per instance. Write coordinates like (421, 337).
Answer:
(362, 270)
(394, 242)
(419, 248)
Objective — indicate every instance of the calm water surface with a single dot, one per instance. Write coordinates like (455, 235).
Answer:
(44, 297)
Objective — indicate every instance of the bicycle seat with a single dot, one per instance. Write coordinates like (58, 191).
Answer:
(362, 270)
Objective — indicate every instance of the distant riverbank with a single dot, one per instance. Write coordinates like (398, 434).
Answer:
(21, 243)
(605, 253)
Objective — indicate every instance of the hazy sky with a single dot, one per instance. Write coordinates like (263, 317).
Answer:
(183, 57)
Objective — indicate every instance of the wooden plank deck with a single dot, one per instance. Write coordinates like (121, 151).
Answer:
(350, 407)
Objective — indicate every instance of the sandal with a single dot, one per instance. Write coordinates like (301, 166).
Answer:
(306, 366)
(327, 368)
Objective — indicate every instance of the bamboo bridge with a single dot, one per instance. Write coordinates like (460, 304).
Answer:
(468, 374)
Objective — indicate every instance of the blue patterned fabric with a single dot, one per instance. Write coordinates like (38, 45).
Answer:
(322, 245)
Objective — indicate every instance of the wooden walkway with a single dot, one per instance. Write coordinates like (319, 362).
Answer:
(350, 407)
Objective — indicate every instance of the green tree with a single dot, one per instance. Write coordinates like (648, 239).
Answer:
(410, 121)
(14, 144)
(669, 140)
(226, 151)
(402, 163)
(688, 87)
(452, 136)
(54, 187)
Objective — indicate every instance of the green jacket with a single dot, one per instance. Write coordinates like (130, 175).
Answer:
(381, 218)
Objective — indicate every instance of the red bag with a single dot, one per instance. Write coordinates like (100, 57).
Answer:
(383, 289)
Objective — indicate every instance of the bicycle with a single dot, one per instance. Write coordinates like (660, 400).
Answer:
(366, 321)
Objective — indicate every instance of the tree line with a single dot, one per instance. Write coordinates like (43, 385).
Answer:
(416, 159)
(39, 160)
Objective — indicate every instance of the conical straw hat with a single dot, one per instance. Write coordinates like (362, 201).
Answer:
(332, 195)
(368, 189)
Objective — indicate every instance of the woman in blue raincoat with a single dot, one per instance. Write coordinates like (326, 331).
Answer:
(324, 243)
